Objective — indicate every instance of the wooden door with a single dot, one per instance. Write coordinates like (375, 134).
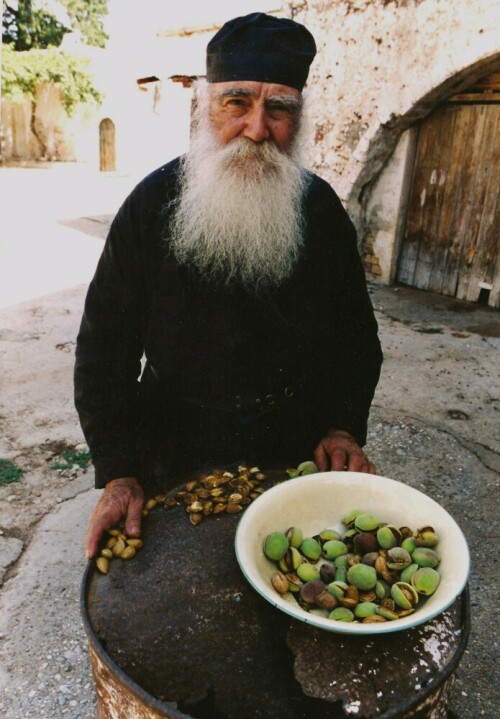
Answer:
(451, 238)
(107, 152)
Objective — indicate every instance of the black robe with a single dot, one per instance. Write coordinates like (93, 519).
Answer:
(227, 375)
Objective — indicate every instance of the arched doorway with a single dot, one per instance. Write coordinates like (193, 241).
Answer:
(107, 147)
(451, 242)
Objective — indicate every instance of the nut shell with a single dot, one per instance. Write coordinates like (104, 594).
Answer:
(311, 548)
(426, 580)
(102, 565)
(334, 548)
(275, 546)
(128, 552)
(362, 576)
(280, 582)
(366, 522)
(311, 591)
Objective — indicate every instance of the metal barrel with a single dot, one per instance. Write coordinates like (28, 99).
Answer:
(248, 659)
(120, 696)
(432, 702)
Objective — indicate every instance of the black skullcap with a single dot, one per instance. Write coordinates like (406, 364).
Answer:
(262, 48)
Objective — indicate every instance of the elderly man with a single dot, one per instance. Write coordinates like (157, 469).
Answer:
(234, 273)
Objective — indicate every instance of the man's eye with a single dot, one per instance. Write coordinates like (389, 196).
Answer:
(279, 111)
(235, 102)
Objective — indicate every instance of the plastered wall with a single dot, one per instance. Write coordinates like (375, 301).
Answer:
(382, 65)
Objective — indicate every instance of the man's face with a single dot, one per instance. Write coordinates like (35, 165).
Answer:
(255, 110)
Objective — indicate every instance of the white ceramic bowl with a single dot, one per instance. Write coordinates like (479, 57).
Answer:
(317, 501)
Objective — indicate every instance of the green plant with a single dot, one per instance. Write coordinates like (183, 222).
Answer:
(88, 18)
(23, 72)
(71, 457)
(28, 25)
(9, 472)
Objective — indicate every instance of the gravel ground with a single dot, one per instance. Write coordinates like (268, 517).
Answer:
(460, 482)
(45, 667)
(434, 425)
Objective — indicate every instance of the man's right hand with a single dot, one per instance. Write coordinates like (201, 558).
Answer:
(122, 498)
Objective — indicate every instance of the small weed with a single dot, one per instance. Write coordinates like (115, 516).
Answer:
(70, 457)
(9, 472)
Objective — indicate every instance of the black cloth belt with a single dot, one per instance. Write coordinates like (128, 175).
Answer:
(247, 405)
(251, 405)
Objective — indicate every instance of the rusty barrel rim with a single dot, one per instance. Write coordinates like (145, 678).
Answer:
(444, 675)
(149, 700)
(141, 694)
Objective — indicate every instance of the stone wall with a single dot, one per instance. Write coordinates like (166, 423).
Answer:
(382, 65)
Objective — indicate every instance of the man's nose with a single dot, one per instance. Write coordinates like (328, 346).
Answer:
(256, 127)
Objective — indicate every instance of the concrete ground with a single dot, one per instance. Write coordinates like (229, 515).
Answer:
(434, 425)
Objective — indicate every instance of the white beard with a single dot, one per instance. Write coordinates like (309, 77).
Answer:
(239, 215)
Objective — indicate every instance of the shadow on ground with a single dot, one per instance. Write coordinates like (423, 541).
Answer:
(433, 311)
(97, 226)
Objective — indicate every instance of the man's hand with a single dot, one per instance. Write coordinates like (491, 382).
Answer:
(122, 498)
(339, 451)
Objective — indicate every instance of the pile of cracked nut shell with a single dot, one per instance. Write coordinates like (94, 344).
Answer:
(217, 492)
(369, 572)
(119, 545)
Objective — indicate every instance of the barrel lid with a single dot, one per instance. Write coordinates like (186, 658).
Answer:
(181, 621)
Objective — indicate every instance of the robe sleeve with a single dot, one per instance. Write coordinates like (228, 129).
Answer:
(359, 363)
(109, 350)
(351, 344)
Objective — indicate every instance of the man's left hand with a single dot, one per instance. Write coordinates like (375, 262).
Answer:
(339, 451)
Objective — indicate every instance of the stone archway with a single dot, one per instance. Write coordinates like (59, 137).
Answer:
(380, 193)
(107, 145)
(450, 241)
(386, 138)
